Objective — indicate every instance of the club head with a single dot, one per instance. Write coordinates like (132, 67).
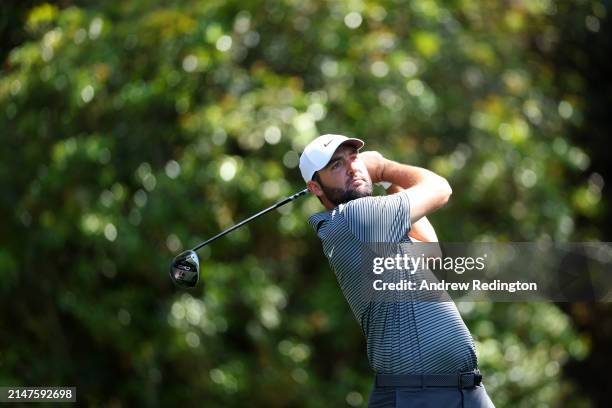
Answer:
(185, 269)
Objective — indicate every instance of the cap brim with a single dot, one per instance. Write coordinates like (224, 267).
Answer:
(358, 143)
(318, 157)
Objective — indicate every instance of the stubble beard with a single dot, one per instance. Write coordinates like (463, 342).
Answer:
(341, 196)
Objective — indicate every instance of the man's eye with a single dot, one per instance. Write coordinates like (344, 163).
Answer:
(335, 165)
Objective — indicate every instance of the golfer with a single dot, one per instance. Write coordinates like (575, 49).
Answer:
(422, 352)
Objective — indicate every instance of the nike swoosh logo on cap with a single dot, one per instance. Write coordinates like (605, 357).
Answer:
(325, 144)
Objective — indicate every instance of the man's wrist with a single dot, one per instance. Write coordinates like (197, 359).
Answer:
(381, 173)
(375, 164)
(380, 177)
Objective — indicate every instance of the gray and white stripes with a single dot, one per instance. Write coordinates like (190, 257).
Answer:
(403, 336)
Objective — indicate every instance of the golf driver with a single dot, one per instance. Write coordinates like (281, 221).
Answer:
(185, 268)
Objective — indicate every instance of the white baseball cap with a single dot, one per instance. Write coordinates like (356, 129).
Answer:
(319, 152)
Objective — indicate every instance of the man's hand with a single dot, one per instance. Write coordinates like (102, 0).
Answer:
(426, 190)
(375, 163)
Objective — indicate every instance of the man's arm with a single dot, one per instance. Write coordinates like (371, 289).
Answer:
(422, 230)
(426, 190)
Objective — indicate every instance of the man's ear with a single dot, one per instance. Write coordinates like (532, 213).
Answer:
(315, 188)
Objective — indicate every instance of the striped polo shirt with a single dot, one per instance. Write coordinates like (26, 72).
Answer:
(403, 336)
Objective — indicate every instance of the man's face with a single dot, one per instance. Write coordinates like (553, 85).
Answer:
(345, 177)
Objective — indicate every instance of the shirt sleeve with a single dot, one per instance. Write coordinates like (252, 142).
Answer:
(383, 219)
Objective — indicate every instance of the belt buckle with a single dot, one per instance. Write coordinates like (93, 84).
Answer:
(477, 379)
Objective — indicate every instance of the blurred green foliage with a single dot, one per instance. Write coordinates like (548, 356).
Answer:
(132, 130)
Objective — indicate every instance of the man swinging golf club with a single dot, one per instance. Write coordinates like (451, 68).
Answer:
(422, 352)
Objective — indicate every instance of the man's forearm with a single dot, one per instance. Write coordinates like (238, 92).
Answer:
(422, 230)
(403, 175)
(427, 191)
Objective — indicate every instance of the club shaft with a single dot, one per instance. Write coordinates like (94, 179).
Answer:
(251, 218)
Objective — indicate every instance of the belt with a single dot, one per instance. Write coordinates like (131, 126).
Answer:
(460, 380)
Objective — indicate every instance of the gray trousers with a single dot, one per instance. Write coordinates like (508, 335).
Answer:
(404, 397)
